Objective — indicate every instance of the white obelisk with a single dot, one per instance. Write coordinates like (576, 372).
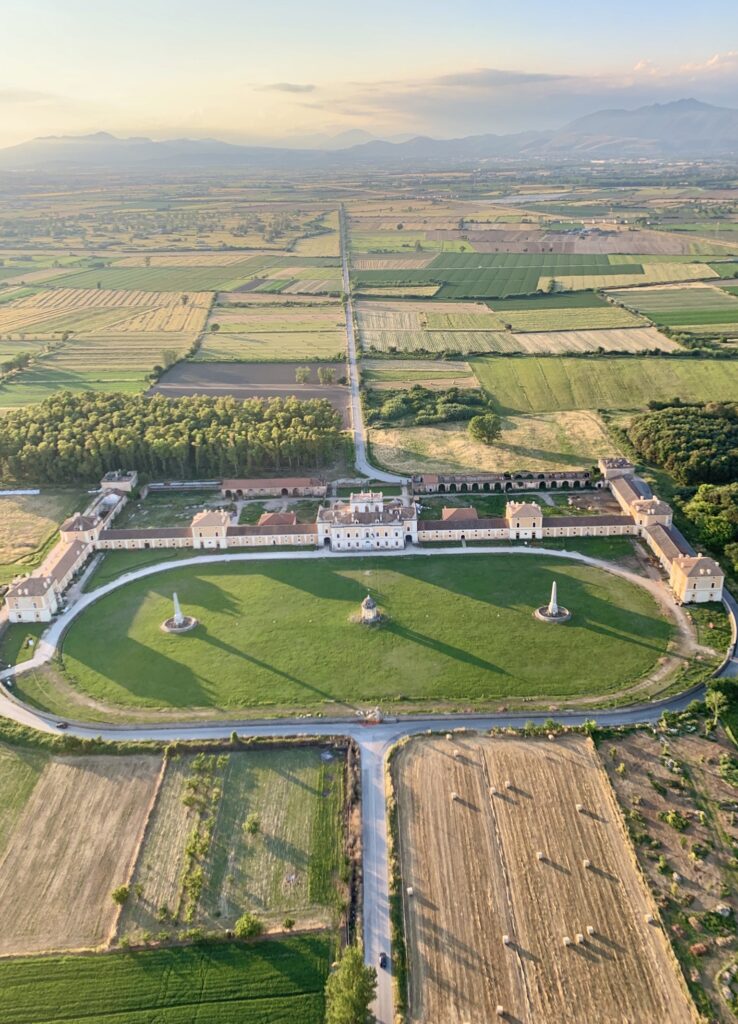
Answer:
(553, 607)
(179, 617)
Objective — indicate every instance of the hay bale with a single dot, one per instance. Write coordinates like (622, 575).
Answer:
(500, 1010)
(567, 940)
(449, 736)
(508, 784)
(454, 796)
(590, 929)
(580, 939)
(580, 808)
(492, 790)
(410, 891)
(539, 855)
(457, 754)
(586, 863)
(505, 940)
(650, 919)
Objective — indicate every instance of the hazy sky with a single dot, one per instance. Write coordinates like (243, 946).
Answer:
(258, 71)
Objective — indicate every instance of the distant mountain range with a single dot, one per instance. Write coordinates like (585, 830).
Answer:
(684, 129)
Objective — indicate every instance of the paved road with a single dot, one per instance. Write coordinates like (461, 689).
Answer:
(373, 741)
(357, 418)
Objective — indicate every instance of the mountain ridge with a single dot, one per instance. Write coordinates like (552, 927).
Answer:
(681, 129)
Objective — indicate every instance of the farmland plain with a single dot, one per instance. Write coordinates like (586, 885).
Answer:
(50, 856)
(529, 385)
(475, 876)
(277, 982)
(286, 863)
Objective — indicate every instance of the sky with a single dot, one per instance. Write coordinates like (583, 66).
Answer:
(246, 71)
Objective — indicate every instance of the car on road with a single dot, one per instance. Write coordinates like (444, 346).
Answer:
(383, 961)
(62, 725)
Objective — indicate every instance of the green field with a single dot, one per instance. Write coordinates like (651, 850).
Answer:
(583, 319)
(562, 300)
(683, 307)
(458, 628)
(484, 275)
(532, 385)
(272, 346)
(19, 772)
(36, 384)
(158, 279)
(288, 865)
(229, 983)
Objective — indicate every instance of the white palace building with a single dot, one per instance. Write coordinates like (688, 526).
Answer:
(367, 522)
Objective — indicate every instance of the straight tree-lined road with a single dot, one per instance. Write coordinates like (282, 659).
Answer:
(357, 418)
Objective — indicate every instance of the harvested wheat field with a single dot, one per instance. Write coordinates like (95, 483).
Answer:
(74, 842)
(101, 310)
(511, 863)
(559, 440)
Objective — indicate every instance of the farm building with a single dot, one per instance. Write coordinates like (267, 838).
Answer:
(294, 487)
(452, 483)
(367, 522)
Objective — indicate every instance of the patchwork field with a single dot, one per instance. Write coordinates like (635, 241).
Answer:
(261, 332)
(52, 312)
(73, 841)
(157, 279)
(27, 524)
(506, 858)
(437, 643)
(475, 327)
(557, 440)
(528, 385)
(277, 982)
(287, 866)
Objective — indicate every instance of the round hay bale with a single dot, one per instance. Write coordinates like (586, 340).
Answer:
(539, 855)
(508, 784)
(586, 863)
(590, 929)
(567, 940)
(505, 940)
(580, 939)
(500, 1010)
(580, 808)
(454, 796)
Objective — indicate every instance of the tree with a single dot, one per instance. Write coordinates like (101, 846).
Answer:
(248, 926)
(485, 428)
(184, 300)
(350, 989)
(120, 895)
(717, 704)
(552, 285)
(326, 375)
(302, 374)
(288, 924)
(252, 825)
(214, 328)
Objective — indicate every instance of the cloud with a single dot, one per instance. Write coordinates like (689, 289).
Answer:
(494, 78)
(288, 87)
(719, 62)
(10, 95)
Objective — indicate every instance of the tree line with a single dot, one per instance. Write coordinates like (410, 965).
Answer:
(79, 437)
(696, 443)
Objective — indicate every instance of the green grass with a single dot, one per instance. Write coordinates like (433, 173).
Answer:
(14, 646)
(534, 385)
(169, 508)
(560, 300)
(725, 269)
(281, 634)
(229, 983)
(38, 383)
(297, 800)
(158, 279)
(117, 563)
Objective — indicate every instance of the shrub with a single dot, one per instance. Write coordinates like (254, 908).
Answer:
(120, 895)
(248, 926)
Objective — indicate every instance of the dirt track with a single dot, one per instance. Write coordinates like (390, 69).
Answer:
(476, 877)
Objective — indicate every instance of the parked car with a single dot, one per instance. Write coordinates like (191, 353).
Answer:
(383, 961)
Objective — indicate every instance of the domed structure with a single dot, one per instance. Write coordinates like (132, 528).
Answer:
(369, 610)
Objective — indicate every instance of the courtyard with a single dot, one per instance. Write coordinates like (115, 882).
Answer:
(283, 634)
